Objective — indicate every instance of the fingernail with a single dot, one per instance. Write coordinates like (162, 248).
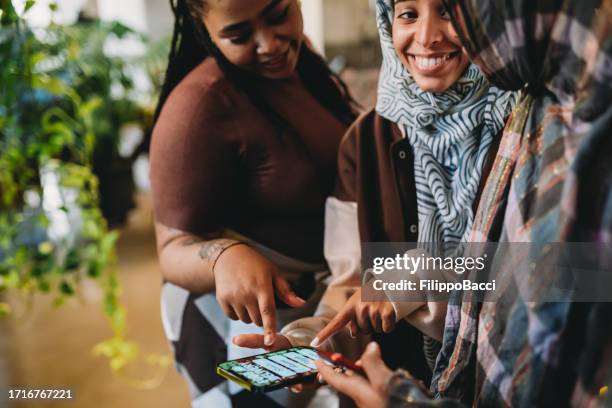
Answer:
(320, 379)
(373, 346)
(314, 342)
(269, 339)
(351, 333)
(300, 299)
(294, 390)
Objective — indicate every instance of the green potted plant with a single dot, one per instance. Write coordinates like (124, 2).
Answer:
(60, 115)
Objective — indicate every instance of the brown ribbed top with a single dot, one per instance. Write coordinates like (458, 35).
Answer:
(217, 162)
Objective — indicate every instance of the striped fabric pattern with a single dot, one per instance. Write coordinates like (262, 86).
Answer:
(450, 134)
(551, 182)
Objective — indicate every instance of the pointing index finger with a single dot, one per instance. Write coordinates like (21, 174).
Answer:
(267, 310)
(336, 324)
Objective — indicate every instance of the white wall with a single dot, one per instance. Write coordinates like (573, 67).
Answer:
(160, 20)
(153, 17)
(325, 21)
(40, 15)
(129, 12)
(313, 23)
(348, 21)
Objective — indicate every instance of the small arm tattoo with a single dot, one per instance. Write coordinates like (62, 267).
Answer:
(211, 250)
(191, 241)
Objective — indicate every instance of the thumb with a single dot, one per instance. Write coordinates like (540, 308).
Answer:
(372, 362)
(285, 293)
(249, 341)
(256, 341)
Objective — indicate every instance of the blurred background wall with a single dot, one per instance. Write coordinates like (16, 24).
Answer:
(336, 27)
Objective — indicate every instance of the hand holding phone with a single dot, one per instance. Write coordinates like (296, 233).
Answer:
(367, 391)
(278, 369)
(256, 341)
(341, 361)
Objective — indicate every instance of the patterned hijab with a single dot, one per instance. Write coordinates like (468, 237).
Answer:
(450, 134)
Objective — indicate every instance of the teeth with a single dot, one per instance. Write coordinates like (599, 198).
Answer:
(424, 62)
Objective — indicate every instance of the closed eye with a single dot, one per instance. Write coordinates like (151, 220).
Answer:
(241, 39)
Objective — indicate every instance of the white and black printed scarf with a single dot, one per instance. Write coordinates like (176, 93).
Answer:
(450, 134)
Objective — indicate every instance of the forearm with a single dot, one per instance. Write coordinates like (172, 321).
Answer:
(187, 260)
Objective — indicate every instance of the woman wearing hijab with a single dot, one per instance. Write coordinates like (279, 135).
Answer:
(409, 171)
(550, 183)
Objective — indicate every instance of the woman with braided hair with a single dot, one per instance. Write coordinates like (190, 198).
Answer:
(243, 155)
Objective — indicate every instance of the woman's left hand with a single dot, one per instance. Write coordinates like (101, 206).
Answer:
(367, 392)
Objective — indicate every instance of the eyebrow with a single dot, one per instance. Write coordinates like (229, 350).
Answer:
(243, 24)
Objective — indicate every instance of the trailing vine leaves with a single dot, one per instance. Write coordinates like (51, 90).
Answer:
(60, 97)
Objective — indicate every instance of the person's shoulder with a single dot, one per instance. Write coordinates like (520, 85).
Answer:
(367, 125)
(207, 77)
(201, 97)
(366, 119)
(205, 83)
(198, 111)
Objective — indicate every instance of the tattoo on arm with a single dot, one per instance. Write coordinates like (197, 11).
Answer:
(191, 241)
(210, 250)
(196, 239)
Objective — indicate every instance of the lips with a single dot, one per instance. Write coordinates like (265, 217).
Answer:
(277, 61)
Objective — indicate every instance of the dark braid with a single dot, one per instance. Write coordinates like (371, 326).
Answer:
(186, 52)
(326, 86)
(191, 44)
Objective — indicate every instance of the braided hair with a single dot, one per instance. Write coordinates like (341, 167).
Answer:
(191, 44)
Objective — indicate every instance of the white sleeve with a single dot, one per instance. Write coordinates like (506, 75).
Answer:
(342, 250)
(426, 316)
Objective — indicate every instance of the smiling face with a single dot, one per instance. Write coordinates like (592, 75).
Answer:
(427, 45)
(259, 36)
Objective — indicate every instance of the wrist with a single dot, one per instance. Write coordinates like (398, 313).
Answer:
(301, 332)
(212, 250)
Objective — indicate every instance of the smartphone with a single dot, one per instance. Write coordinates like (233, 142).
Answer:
(270, 371)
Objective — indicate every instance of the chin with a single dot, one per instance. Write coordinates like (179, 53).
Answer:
(432, 85)
(277, 75)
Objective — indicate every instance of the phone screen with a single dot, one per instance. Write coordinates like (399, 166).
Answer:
(272, 370)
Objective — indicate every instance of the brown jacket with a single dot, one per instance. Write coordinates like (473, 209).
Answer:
(376, 173)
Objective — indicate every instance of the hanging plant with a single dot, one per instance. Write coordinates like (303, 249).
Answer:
(61, 99)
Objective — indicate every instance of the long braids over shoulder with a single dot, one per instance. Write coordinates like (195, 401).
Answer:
(191, 44)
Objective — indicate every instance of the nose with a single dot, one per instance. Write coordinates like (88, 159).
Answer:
(429, 32)
(267, 42)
